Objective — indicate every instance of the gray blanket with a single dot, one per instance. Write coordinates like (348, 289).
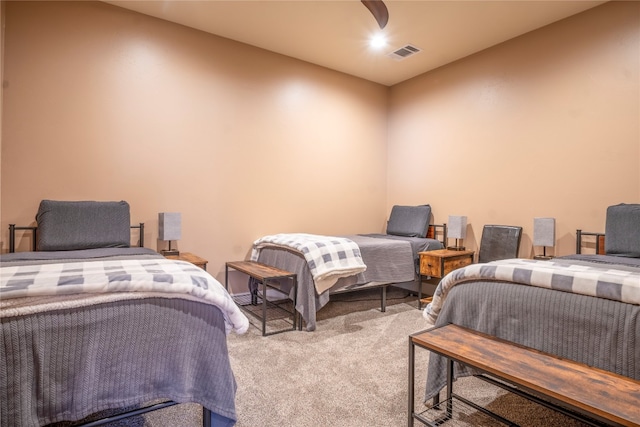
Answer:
(68, 363)
(418, 244)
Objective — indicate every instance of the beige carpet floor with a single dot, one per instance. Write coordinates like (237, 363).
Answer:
(351, 372)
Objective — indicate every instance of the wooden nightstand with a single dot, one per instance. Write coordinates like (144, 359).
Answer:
(439, 263)
(189, 257)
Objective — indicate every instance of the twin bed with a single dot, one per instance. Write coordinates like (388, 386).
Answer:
(88, 323)
(382, 259)
(581, 307)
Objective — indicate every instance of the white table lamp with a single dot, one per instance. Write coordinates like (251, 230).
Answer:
(457, 229)
(170, 228)
(544, 233)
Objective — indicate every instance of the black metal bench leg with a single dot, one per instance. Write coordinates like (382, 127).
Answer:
(449, 388)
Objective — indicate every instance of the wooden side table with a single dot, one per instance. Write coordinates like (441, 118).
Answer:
(269, 277)
(439, 263)
(189, 257)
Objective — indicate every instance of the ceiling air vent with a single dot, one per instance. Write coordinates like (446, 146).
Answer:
(404, 52)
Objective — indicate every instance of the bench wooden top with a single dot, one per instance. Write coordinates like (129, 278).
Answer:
(258, 270)
(602, 393)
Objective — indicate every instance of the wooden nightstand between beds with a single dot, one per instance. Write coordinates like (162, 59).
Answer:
(438, 264)
(189, 257)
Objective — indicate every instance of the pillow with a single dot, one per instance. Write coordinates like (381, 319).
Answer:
(622, 230)
(410, 221)
(65, 226)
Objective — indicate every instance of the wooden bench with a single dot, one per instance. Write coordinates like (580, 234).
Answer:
(589, 394)
(270, 278)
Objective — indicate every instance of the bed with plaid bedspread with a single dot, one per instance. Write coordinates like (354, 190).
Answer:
(111, 330)
(582, 308)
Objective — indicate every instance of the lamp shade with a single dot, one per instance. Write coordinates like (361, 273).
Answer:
(544, 231)
(169, 226)
(457, 227)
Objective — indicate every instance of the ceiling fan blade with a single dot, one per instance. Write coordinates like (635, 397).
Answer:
(378, 10)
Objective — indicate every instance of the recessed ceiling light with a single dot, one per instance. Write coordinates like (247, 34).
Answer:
(378, 41)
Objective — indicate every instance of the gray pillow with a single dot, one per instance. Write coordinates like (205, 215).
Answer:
(622, 230)
(65, 226)
(410, 221)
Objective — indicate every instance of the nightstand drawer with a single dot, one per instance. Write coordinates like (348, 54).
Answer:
(441, 262)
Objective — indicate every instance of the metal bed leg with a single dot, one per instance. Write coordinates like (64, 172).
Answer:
(383, 298)
(206, 417)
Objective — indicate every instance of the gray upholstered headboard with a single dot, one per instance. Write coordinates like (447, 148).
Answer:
(410, 221)
(65, 226)
(75, 225)
(622, 230)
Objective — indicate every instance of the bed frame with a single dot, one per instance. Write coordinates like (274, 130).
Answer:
(435, 229)
(34, 229)
(622, 227)
(580, 242)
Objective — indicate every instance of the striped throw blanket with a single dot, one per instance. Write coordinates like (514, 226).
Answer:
(329, 258)
(603, 281)
(173, 278)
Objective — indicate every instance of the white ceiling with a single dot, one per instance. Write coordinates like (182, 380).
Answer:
(335, 34)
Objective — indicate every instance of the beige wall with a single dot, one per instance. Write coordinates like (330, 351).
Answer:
(2, 22)
(547, 124)
(106, 104)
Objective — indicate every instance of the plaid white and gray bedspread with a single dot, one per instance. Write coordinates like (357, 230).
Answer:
(329, 258)
(173, 278)
(593, 280)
